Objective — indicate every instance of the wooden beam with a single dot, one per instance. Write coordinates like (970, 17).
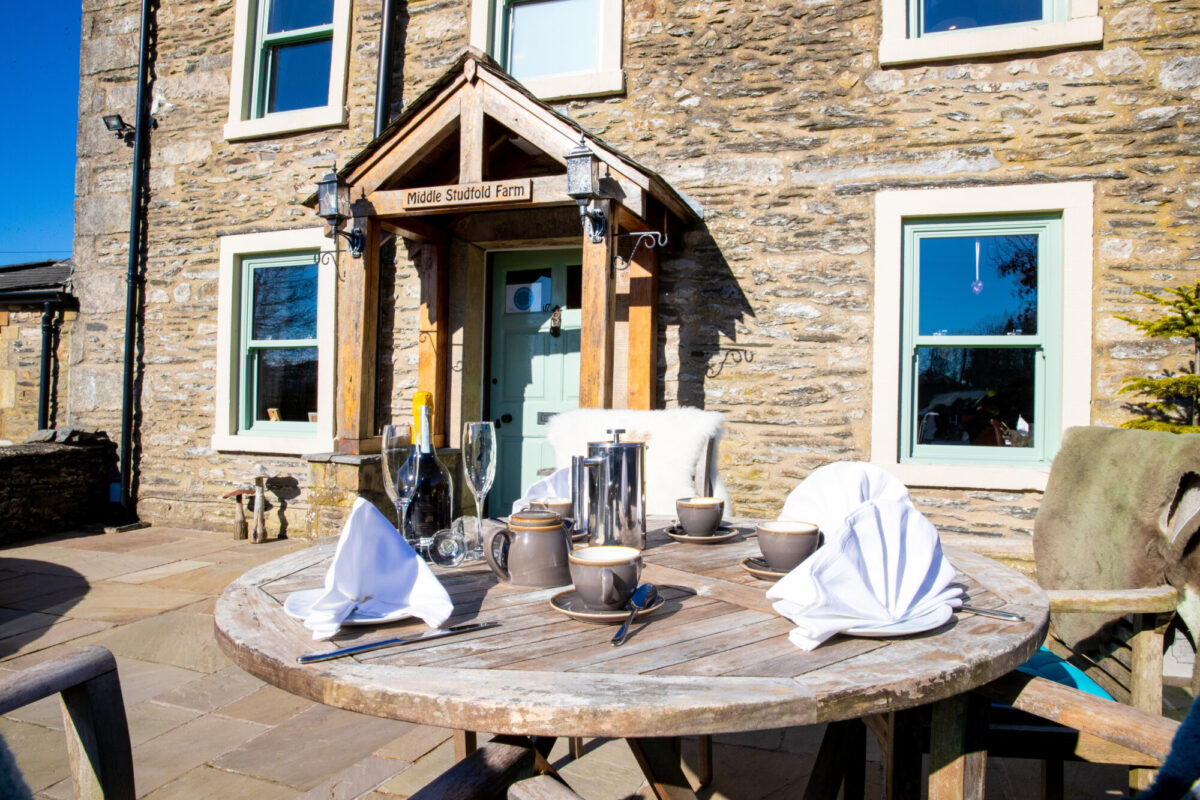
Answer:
(411, 146)
(642, 369)
(357, 327)
(598, 310)
(957, 755)
(470, 136)
(412, 229)
(433, 267)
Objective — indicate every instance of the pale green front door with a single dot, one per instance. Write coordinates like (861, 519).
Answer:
(534, 368)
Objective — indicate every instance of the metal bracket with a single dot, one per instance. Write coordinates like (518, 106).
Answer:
(648, 238)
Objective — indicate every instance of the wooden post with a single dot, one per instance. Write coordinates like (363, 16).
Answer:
(643, 322)
(1146, 679)
(598, 304)
(470, 135)
(357, 327)
(433, 348)
(902, 755)
(957, 753)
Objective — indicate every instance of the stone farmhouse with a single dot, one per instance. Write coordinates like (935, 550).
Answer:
(888, 230)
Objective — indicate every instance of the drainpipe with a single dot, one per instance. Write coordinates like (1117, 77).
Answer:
(383, 82)
(132, 279)
(44, 383)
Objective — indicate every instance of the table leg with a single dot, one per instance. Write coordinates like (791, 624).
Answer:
(465, 743)
(841, 759)
(957, 750)
(902, 755)
(659, 760)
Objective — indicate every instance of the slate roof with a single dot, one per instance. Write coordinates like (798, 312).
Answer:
(35, 276)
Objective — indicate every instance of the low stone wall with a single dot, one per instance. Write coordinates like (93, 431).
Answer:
(47, 487)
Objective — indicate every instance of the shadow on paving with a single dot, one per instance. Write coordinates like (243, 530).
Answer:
(34, 596)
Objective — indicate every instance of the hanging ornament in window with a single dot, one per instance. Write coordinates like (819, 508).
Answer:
(977, 285)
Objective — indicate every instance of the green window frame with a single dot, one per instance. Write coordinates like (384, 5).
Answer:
(927, 434)
(502, 27)
(258, 344)
(1052, 11)
(269, 45)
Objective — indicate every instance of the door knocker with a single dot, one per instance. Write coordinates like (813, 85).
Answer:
(556, 322)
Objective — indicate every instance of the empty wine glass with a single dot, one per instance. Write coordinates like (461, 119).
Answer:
(479, 467)
(400, 472)
(449, 548)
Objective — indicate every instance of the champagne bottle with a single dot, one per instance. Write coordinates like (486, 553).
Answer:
(431, 509)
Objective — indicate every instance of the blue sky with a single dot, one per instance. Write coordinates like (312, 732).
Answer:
(39, 58)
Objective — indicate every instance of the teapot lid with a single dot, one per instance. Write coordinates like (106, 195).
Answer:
(536, 517)
(616, 441)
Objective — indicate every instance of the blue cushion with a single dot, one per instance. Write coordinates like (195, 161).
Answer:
(1045, 664)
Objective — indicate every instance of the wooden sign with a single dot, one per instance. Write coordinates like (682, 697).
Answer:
(467, 194)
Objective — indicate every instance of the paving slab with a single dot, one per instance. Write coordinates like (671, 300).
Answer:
(66, 633)
(118, 543)
(355, 781)
(415, 742)
(164, 758)
(41, 753)
(150, 719)
(91, 564)
(188, 548)
(310, 746)
(181, 638)
(420, 773)
(210, 692)
(267, 706)
(207, 783)
(32, 584)
(208, 579)
(161, 571)
(109, 602)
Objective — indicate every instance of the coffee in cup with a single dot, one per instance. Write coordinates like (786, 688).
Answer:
(606, 576)
(785, 544)
(700, 516)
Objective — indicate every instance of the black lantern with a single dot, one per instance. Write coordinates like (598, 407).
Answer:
(333, 205)
(583, 186)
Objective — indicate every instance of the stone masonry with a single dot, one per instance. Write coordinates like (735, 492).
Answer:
(21, 369)
(775, 116)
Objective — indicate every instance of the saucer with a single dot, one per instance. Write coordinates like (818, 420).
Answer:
(724, 534)
(298, 605)
(759, 569)
(568, 602)
(918, 624)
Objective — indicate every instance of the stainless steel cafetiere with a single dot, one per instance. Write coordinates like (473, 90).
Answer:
(608, 488)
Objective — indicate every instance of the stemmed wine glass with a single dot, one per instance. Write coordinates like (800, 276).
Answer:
(479, 467)
(400, 472)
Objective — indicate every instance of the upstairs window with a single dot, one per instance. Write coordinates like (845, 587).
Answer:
(289, 67)
(556, 48)
(929, 30)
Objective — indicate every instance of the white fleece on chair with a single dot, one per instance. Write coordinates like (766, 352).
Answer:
(674, 437)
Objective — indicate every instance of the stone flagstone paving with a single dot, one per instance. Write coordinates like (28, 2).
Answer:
(202, 728)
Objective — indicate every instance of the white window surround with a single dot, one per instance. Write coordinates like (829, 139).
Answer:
(225, 429)
(1075, 202)
(609, 79)
(241, 125)
(1084, 25)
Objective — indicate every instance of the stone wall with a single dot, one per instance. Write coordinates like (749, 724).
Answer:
(776, 117)
(47, 488)
(21, 373)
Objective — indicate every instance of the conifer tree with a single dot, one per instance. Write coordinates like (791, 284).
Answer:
(1176, 406)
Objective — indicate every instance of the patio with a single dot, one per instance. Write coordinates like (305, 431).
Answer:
(201, 727)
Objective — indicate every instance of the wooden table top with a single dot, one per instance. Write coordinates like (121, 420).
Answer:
(714, 658)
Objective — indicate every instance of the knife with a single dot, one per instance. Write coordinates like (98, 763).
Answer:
(991, 612)
(309, 658)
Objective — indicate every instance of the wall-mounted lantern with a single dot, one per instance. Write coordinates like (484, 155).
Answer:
(333, 205)
(583, 186)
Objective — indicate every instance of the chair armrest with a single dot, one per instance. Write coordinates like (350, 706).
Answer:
(1105, 719)
(42, 680)
(1156, 599)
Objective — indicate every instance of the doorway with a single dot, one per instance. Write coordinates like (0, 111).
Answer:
(534, 361)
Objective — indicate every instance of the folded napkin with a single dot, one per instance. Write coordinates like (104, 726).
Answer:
(882, 564)
(833, 492)
(556, 484)
(375, 570)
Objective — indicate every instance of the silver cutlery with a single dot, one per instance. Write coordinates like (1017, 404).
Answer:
(643, 597)
(310, 658)
(987, 612)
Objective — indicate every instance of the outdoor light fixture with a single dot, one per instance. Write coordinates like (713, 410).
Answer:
(333, 205)
(583, 185)
(122, 129)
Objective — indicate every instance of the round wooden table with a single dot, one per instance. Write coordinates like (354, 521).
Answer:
(715, 658)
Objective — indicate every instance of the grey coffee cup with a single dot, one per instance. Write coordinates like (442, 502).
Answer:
(700, 516)
(605, 576)
(559, 505)
(531, 551)
(785, 544)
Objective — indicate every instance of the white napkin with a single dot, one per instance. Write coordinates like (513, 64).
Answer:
(375, 570)
(881, 565)
(831, 493)
(556, 484)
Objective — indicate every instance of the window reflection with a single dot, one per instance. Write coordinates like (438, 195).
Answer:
(300, 75)
(553, 37)
(285, 302)
(287, 384)
(952, 15)
(290, 15)
(978, 285)
(976, 396)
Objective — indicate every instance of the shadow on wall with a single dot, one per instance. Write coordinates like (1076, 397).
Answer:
(699, 295)
(33, 596)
